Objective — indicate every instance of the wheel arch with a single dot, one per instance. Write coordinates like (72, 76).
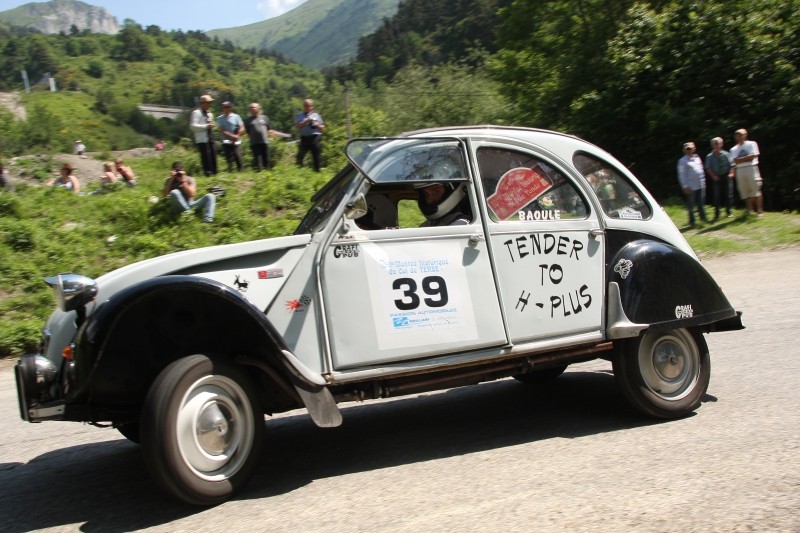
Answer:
(135, 334)
(662, 287)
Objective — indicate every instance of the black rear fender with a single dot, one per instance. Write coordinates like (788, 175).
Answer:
(664, 288)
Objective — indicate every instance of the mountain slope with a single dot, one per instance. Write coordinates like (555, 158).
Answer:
(59, 16)
(315, 34)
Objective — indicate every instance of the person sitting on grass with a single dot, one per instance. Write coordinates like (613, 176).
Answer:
(109, 176)
(66, 180)
(181, 189)
(125, 172)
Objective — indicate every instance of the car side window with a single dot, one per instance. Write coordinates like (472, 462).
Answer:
(618, 196)
(521, 187)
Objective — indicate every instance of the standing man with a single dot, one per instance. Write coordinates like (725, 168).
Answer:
(748, 178)
(719, 167)
(202, 124)
(258, 130)
(692, 179)
(311, 126)
(231, 128)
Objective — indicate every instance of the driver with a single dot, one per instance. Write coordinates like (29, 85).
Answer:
(444, 203)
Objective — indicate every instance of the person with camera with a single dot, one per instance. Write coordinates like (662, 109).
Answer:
(311, 126)
(181, 189)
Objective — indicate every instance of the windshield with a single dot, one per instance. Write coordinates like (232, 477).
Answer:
(326, 200)
(394, 160)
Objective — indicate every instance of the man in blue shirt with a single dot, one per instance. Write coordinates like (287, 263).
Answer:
(231, 128)
(719, 167)
(311, 126)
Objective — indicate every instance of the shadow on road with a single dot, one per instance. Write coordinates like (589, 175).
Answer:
(105, 487)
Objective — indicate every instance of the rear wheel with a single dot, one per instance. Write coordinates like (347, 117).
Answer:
(201, 429)
(664, 373)
(543, 375)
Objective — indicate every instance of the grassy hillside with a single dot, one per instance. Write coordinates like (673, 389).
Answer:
(45, 230)
(102, 78)
(317, 33)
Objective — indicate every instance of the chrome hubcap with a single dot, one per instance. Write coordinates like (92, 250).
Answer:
(669, 363)
(215, 427)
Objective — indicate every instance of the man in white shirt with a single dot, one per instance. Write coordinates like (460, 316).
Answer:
(202, 124)
(692, 179)
(748, 178)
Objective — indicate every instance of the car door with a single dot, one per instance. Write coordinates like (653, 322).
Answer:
(401, 293)
(546, 242)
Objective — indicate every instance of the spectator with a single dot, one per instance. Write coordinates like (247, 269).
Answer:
(202, 124)
(258, 130)
(159, 146)
(109, 176)
(231, 128)
(5, 179)
(311, 126)
(719, 167)
(748, 178)
(125, 172)
(66, 180)
(693, 182)
(181, 190)
(79, 148)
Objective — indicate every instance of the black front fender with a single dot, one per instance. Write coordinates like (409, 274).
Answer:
(663, 287)
(137, 332)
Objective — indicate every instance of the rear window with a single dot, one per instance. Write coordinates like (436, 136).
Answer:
(618, 196)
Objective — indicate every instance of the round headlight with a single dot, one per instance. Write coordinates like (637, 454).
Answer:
(72, 290)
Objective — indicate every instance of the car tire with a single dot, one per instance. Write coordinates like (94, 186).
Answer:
(664, 374)
(202, 429)
(543, 375)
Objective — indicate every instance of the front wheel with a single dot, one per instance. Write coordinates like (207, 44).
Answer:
(664, 373)
(201, 429)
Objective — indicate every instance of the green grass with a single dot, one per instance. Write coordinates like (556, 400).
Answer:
(44, 231)
(741, 233)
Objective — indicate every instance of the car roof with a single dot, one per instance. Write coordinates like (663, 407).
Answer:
(563, 145)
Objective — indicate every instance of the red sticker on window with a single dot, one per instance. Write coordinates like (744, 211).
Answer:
(517, 188)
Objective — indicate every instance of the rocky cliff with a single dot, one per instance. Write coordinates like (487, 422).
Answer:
(60, 16)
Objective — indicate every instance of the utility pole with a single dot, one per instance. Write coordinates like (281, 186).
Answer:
(27, 83)
(347, 112)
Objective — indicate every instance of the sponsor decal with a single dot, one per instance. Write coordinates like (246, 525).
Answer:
(623, 268)
(298, 306)
(241, 284)
(270, 273)
(345, 250)
(629, 213)
(684, 311)
(517, 188)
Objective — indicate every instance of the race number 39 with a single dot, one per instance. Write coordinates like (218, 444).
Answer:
(432, 286)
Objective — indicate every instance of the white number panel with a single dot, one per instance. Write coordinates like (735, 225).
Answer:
(404, 299)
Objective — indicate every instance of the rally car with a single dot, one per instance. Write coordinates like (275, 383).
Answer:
(436, 259)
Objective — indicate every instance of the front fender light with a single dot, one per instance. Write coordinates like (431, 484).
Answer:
(72, 291)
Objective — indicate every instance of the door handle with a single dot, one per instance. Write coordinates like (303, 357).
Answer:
(475, 239)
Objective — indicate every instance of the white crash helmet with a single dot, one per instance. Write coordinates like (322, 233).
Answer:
(454, 193)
